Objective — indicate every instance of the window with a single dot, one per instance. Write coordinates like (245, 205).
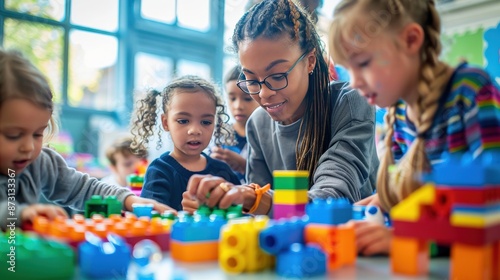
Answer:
(96, 59)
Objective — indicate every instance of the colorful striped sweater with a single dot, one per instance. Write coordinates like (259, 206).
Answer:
(468, 118)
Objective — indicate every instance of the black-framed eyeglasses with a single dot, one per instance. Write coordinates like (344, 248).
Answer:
(275, 81)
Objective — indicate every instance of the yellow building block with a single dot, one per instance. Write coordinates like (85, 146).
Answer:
(290, 197)
(239, 249)
(290, 173)
(409, 209)
(468, 219)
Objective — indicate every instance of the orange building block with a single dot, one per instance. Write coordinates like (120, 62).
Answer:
(496, 261)
(471, 262)
(409, 256)
(194, 251)
(338, 243)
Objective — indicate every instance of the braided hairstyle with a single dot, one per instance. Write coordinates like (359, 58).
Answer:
(356, 30)
(273, 19)
(144, 125)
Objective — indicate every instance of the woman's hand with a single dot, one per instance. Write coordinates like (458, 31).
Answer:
(372, 238)
(212, 190)
(50, 211)
(371, 200)
(234, 160)
(159, 207)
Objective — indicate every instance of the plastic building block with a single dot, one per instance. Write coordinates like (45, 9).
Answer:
(468, 196)
(462, 169)
(239, 249)
(197, 228)
(409, 209)
(301, 261)
(409, 256)
(279, 235)
(374, 214)
(290, 197)
(471, 262)
(281, 211)
(105, 207)
(480, 217)
(194, 251)
(131, 228)
(148, 256)
(142, 210)
(337, 242)
(291, 180)
(358, 212)
(332, 211)
(33, 258)
(99, 259)
(233, 211)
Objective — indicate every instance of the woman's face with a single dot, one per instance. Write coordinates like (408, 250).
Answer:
(263, 57)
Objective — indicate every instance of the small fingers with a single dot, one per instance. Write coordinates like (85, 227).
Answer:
(233, 196)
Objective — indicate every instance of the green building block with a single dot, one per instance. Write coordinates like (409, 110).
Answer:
(133, 178)
(105, 207)
(34, 258)
(290, 180)
(234, 211)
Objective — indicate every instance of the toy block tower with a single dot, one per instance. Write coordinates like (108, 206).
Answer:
(136, 180)
(460, 207)
(290, 193)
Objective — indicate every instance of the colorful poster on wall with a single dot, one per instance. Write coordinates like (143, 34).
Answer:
(467, 46)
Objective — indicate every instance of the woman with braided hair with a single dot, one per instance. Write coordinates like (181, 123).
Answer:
(304, 122)
(391, 50)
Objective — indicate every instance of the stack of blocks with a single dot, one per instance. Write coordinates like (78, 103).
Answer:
(327, 229)
(461, 208)
(32, 258)
(135, 183)
(195, 238)
(239, 249)
(131, 228)
(290, 193)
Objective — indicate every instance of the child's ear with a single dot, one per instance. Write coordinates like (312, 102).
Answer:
(164, 122)
(412, 38)
(311, 60)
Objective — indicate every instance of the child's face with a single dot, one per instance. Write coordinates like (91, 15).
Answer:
(241, 104)
(190, 119)
(125, 165)
(383, 72)
(22, 124)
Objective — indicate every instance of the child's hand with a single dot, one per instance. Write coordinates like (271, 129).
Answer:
(371, 200)
(160, 207)
(50, 211)
(372, 238)
(188, 203)
(234, 160)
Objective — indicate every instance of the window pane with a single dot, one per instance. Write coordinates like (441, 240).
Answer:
(188, 67)
(152, 72)
(98, 14)
(197, 18)
(158, 10)
(92, 71)
(44, 50)
(53, 9)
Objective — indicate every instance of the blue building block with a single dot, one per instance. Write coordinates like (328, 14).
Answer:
(332, 211)
(279, 235)
(301, 261)
(197, 228)
(358, 212)
(143, 210)
(100, 259)
(463, 170)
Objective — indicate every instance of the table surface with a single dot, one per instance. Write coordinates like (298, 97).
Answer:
(365, 268)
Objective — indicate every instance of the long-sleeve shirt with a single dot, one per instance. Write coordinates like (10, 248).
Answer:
(166, 179)
(468, 118)
(50, 176)
(346, 169)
